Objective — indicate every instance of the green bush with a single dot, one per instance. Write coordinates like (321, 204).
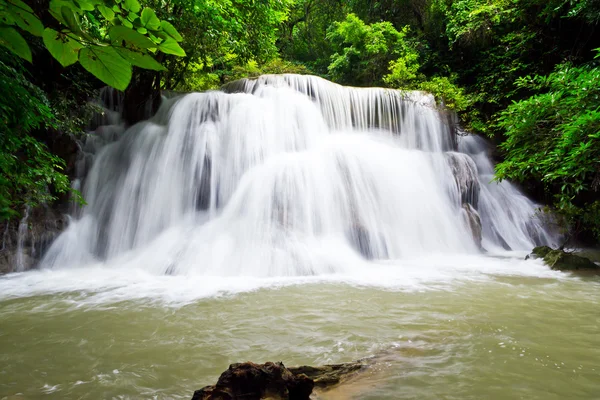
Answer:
(554, 137)
(29, 173)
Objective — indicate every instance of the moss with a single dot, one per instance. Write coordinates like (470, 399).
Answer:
(541, 251)
(563, 261)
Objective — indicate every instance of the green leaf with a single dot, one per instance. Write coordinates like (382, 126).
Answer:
(149, 19)
(121, 33)
(62, 47)
(132, 5)
(143, 31)
(56, 7)
(170, 30)
(106, 12)
(125, 21)
(12, 40)
(107, 65)
(26, 20)
(86, 5)
(170, 46)
(140, 59)
(70, 19)
(21, 5)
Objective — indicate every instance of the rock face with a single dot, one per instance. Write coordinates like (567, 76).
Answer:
(473, 222)
(249, 381)
(24, 242)
(466, 177)
(563, 261)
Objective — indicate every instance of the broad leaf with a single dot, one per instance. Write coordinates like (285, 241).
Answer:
(132, 5)
(170, 46)
(140, 59)
(125, 21)
(21, 5)
(25, 19)
(56, 7)
(12, 40)
(107, 65)
(70, 19)
(62, 47)
(149, 19)
(106, 12)
(170, 30)
(86, 5)
(121, 33)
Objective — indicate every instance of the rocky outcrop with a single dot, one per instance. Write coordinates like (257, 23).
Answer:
(250, 381)
(564, 261)
(473, 223)
(24, 242)
(464, 171)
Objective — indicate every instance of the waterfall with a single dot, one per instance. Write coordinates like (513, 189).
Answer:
(290, 175)
(509, 219)
(22, 233)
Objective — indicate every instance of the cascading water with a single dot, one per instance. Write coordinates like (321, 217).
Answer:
(291, 175)
(21, 236)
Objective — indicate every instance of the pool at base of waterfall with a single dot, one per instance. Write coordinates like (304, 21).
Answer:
(451, 327)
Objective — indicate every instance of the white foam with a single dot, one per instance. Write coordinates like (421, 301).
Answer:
(104, 285)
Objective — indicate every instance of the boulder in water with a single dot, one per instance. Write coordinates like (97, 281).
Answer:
(564, 261)
(539, 252)
(250, 381)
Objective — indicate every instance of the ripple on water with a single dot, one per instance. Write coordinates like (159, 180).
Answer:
(504, 331)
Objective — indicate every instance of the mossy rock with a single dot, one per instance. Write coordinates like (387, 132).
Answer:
(563, 261)
(540, 252)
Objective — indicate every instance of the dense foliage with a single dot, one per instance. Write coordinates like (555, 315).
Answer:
(518, 71)
(554, 138)
(27, 168)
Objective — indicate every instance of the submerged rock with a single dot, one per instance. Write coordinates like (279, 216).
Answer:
(564, 261)
(250, 381)
(328, 375)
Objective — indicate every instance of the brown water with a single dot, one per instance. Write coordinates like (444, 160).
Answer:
(499, 335)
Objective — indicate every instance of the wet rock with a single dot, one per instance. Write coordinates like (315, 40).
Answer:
(540, 252)
(250, 381)
(473, 222)
(466, 177)
(564, 261)
(41, 227)
(328, 375)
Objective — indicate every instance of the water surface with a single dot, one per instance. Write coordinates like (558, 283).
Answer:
(462, 327)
